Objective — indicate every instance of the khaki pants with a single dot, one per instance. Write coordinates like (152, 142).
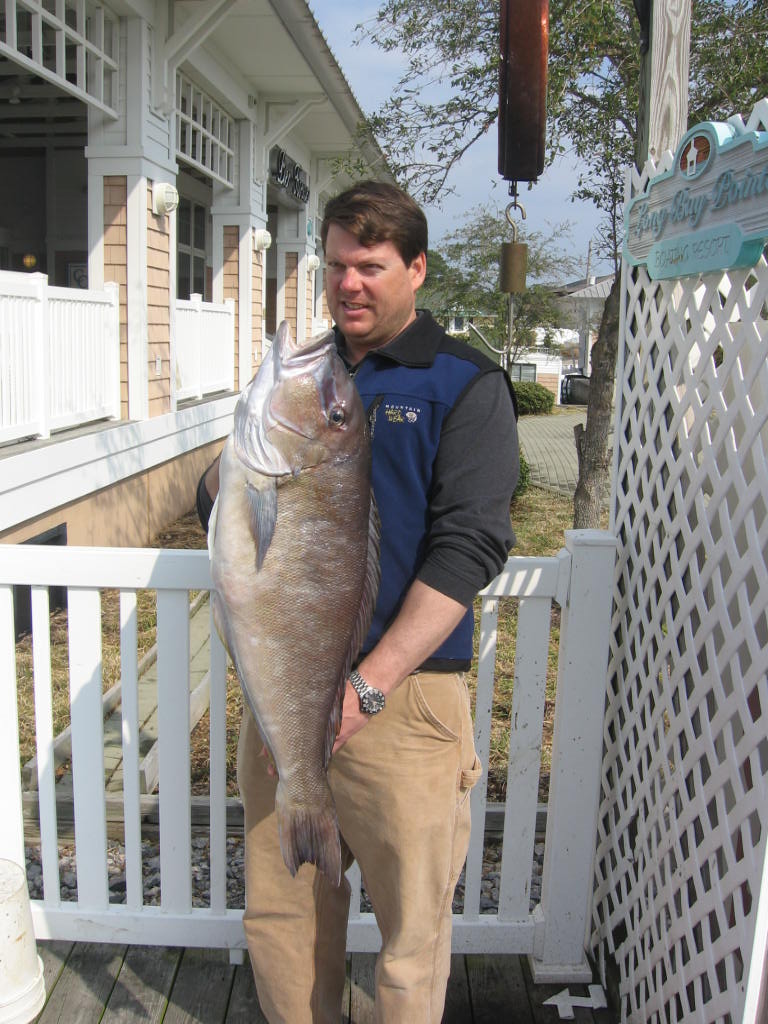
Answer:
(401, 786)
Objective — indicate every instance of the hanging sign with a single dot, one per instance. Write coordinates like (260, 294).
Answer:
(289, 175)
(709, 212)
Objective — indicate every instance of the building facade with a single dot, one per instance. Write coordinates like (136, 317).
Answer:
(174, 157)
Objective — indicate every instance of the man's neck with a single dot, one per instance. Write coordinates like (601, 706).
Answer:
(354, 354)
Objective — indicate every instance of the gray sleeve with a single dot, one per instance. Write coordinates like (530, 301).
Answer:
(474, 477)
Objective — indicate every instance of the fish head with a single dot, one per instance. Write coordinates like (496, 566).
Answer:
(300, 410)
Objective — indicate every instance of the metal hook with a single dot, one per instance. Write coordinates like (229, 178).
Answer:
(514, 205)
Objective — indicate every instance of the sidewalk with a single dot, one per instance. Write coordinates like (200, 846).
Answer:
(549, 447)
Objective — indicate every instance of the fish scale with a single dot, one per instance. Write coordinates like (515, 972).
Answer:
(294, 560)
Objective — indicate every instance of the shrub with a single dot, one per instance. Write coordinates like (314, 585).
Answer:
(524, 480)
(532, 398)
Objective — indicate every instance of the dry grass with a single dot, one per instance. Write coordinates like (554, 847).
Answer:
(184, 533)
(539, 519)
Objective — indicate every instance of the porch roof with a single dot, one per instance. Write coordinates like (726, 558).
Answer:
(278, 49)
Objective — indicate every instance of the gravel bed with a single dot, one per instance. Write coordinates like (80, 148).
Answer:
(489, 889)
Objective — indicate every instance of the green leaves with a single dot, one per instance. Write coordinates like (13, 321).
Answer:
(463, 277)
(447, 96)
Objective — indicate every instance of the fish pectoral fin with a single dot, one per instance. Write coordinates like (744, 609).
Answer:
(212, 519)
(262, 503)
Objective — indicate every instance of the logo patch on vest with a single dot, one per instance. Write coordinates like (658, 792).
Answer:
(401, 413)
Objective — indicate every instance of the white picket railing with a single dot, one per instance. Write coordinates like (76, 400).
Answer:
(205, 347)
(554, 933)
(59, 356)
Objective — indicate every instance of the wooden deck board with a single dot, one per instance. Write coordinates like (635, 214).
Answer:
(458, 1002)
(548, 1014)
(244, 1003)
(361, 974)
(85, 984)
(54, 956)
(202, 988)
(143, 985)
(157, 985)
(497, 986)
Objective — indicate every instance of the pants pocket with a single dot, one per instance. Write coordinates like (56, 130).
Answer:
(438, 704)
(468, 778)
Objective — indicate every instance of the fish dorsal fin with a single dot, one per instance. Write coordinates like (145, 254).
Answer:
(362, 623)
(262, 512)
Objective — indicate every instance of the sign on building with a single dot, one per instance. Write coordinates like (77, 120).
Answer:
(709, 212)
(288, 175)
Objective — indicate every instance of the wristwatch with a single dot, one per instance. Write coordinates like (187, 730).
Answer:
(371, 699)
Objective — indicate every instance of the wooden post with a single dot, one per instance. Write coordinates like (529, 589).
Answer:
(662, 119)
(663, 112)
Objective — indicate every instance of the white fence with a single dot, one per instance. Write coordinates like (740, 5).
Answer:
(205, 347)
(59, 356)
(681, 871)
(554, 932)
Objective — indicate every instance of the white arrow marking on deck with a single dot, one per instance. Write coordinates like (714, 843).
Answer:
(565, 1002)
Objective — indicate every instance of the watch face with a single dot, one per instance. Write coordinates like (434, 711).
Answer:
(372, 701)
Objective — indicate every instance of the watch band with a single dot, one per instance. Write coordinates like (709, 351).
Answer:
(371, 700)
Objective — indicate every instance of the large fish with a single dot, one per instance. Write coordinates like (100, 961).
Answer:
(294, 559)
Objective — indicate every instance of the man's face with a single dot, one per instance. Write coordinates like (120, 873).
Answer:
(371, 292)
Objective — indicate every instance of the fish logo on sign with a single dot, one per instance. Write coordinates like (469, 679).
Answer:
(709, 211)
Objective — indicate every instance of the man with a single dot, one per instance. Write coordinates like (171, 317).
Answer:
(445, 464)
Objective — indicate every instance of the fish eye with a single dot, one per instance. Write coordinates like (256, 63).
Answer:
(337, 417)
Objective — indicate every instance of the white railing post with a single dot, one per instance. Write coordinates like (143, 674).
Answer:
(41, 383)
(230, 349)
(12, 830)
(197, 330)
(577, 746)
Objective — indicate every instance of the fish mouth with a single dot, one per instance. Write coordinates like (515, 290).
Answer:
(285, 360)
(293, 359)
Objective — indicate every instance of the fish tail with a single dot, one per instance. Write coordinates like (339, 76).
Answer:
(309, 835)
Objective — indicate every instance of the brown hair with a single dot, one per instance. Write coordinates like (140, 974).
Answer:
(374, 212)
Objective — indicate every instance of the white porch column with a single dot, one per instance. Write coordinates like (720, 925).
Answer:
(240, 209)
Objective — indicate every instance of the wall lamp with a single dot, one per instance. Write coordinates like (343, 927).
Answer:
(313, 262)
(165, 198)
(261, 239)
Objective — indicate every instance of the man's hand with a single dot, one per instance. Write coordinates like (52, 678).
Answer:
(352, 718)
(426, 618)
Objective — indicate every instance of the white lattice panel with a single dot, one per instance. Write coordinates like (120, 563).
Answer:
(684, 809)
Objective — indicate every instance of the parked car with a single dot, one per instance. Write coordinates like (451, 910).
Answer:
(574, 389)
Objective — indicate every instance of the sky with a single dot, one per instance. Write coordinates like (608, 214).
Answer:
(372, 74)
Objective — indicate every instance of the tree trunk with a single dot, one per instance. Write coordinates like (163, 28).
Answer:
(592, 442)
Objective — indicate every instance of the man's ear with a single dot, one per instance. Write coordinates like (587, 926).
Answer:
(418, 270)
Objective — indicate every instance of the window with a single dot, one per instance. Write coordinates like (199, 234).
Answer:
(205, 134)
(190, 259)
(522, 371)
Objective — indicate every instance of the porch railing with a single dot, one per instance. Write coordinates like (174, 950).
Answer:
(59, 356)
(205, 347)
(553, 932)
